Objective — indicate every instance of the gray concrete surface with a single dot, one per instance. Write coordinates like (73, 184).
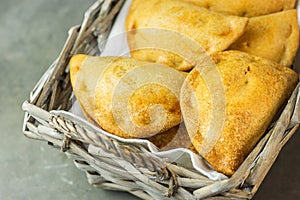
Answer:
(32, 33)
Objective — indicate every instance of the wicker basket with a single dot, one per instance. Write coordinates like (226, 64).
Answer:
(116, 165)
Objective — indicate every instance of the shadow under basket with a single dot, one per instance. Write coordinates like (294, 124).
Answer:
(114, 165)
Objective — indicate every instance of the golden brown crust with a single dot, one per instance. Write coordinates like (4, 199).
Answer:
(176, 137)
(154, 94)
(274, 36)
(125, 104)
(82, 94)
(84, 72)
(247, 8)
(214, 32)
(250, 105)
(75, 65)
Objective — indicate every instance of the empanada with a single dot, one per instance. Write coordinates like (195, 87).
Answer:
(176, 137)
(255, 88)
(138, 99)
(247, 8)
(148, 21)
(274, 36)
(84, 72)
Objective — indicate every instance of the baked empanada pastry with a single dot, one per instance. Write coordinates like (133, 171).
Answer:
(247, 8)
(85, 72)
(137, 99)
(148, 21)
(255, 88)
(274, 36)
(176, 137)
